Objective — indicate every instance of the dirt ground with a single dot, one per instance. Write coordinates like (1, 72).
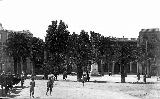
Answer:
(106, 87)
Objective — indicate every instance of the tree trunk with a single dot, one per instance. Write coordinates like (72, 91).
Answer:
(79, 72)
(102, 68)
(25, 67)
(19, 67)
(15, 66)
(33, 67)
(122, 73)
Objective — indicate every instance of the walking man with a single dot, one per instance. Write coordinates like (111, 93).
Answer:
(32, 85)
(87, 74)
(50, 85)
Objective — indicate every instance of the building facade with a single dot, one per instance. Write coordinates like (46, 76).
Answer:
(150, 40)
(7, 62)
(131, 67)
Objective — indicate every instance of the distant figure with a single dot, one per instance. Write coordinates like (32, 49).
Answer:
(64, 75)
(125, 73)
(32, 85)
(45, 76)
(110, 73)
(138, 77)
(87, 74)
(50, 85)
(55, 74)
(22, 79)
(83, 79)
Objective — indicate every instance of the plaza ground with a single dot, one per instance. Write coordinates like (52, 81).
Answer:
(105, 87)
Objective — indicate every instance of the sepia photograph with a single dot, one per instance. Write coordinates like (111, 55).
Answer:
(79, 49)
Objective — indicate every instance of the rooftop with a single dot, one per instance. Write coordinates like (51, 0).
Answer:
(150, 30)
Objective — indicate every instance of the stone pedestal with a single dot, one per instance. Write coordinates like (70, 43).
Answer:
(94, 69)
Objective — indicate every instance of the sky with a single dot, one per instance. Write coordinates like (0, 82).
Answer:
(115, 18)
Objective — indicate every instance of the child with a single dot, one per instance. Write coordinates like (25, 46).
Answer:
(49, 85)
(32, 85)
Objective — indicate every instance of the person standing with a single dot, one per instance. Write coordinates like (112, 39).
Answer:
(55, 74)
(138, 77)
(87, 74)
(50, 85)
(22, 79)
(83, 79)
(32, 85)
(110, 73)
(64, 75)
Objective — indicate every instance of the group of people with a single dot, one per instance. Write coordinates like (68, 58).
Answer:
(144, 77)
(50, 83)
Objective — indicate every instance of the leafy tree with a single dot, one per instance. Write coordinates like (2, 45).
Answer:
(95, 42)
(17, 46)
(84, 52)
(79, 51)
(37, 52)
(102, 49)
(128, 53)
(73, 45)
(56, 43)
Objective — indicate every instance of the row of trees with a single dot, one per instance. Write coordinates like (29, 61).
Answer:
(63, 49)
(81, 49)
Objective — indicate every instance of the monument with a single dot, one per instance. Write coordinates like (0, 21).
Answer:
(94, 69)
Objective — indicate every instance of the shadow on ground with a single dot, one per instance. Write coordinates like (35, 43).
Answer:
(138, 82)
(67, 80)
(14, 92)
(125, 82)
(95, 81)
